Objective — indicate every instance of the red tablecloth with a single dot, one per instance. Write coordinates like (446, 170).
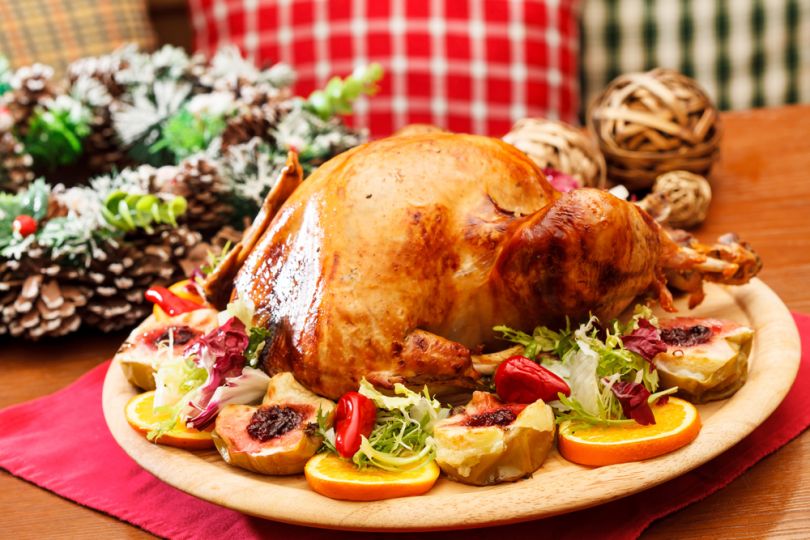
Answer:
(61, 443)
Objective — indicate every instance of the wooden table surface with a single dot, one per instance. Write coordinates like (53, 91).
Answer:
(761, 191)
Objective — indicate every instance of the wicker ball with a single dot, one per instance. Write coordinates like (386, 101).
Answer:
(560, 146)
(654, 122)
(689, 196)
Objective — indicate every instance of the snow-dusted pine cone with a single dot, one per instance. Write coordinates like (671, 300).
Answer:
(103, 151)
(15, 164)
(261, 107)
(119, 278)
(197, 179)
(100, 68)
(30, 86)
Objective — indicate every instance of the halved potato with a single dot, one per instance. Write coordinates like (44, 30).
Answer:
(492, 442)
(274, 438)
(707, 359)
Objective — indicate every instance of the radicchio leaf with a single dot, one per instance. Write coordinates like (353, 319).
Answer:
(248, 387)
(633, 398)
(645, 341)
(221, 353)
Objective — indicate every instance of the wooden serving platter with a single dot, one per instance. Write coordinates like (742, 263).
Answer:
(558, 487)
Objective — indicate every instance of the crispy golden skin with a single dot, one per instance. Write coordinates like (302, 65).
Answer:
(394, 261)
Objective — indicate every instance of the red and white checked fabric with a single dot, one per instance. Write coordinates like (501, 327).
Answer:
(466, 65)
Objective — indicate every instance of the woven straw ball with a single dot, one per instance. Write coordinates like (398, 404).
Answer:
(560, 146)
(654, 122)
(689, 196)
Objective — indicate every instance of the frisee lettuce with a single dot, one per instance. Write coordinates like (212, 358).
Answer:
(591, 359)
(402, 435)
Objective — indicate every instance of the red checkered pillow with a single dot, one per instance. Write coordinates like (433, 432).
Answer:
(470, 66)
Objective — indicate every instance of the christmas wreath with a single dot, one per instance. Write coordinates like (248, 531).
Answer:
(123, 173)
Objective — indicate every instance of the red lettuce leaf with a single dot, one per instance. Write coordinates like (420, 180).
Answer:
(645, 341)
(221, 352)
(633, 398)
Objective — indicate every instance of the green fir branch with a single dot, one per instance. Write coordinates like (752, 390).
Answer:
(185, 134)
(55, 136)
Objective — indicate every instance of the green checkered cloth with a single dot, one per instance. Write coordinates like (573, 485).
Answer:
(745, 53)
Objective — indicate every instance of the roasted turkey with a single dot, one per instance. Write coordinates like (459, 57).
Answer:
(394, 261)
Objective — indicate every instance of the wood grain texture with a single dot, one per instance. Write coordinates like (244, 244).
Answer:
(558, 487)
(761, 191)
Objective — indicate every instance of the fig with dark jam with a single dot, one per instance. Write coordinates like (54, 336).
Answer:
(273, 438)
(686, 336)
(272, 421)
(707, 359)
(149, 344)
(491, 441)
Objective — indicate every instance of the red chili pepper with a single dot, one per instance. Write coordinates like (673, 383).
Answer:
(354, 418)
(170, 302)
(519, 380)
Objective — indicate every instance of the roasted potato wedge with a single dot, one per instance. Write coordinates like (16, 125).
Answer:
(492, 442)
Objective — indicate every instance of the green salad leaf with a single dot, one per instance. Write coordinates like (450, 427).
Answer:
(591, 359)
(402, 435)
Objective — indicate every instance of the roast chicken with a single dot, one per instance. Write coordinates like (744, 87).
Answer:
(394, 261)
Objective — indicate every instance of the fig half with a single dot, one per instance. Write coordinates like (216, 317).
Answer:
(274, 438)
(707, 359)
(492, 442)
(155, 341)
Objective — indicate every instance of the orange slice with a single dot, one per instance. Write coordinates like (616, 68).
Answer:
(142, 417)
(338, 478)
(676, 424)
(181, 290)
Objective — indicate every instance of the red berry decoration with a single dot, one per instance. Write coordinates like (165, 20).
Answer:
(24, 225)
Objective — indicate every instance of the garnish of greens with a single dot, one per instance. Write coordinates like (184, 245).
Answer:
(212, 372)
(402, 435)
(339, 94)
(609, 369)
(258, 336)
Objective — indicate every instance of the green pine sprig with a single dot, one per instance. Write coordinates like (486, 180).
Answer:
(339, 94)
(54, 137)
(185, 134)
(128, 212)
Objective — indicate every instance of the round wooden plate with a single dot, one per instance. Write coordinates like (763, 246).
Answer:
(558, 487)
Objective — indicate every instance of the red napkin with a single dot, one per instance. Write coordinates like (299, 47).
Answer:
(61, 443)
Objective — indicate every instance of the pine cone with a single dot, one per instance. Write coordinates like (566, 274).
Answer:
(38, 305)
(31, 85)
(198, 180)
(100, 68)
(15, 164)
(119, 278)
(245, 126)
(261, 108)
(103, 151)
(40, 297)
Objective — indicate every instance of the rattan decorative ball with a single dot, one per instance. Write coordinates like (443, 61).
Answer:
(689, 196)
(654, 122)
(560, 146)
